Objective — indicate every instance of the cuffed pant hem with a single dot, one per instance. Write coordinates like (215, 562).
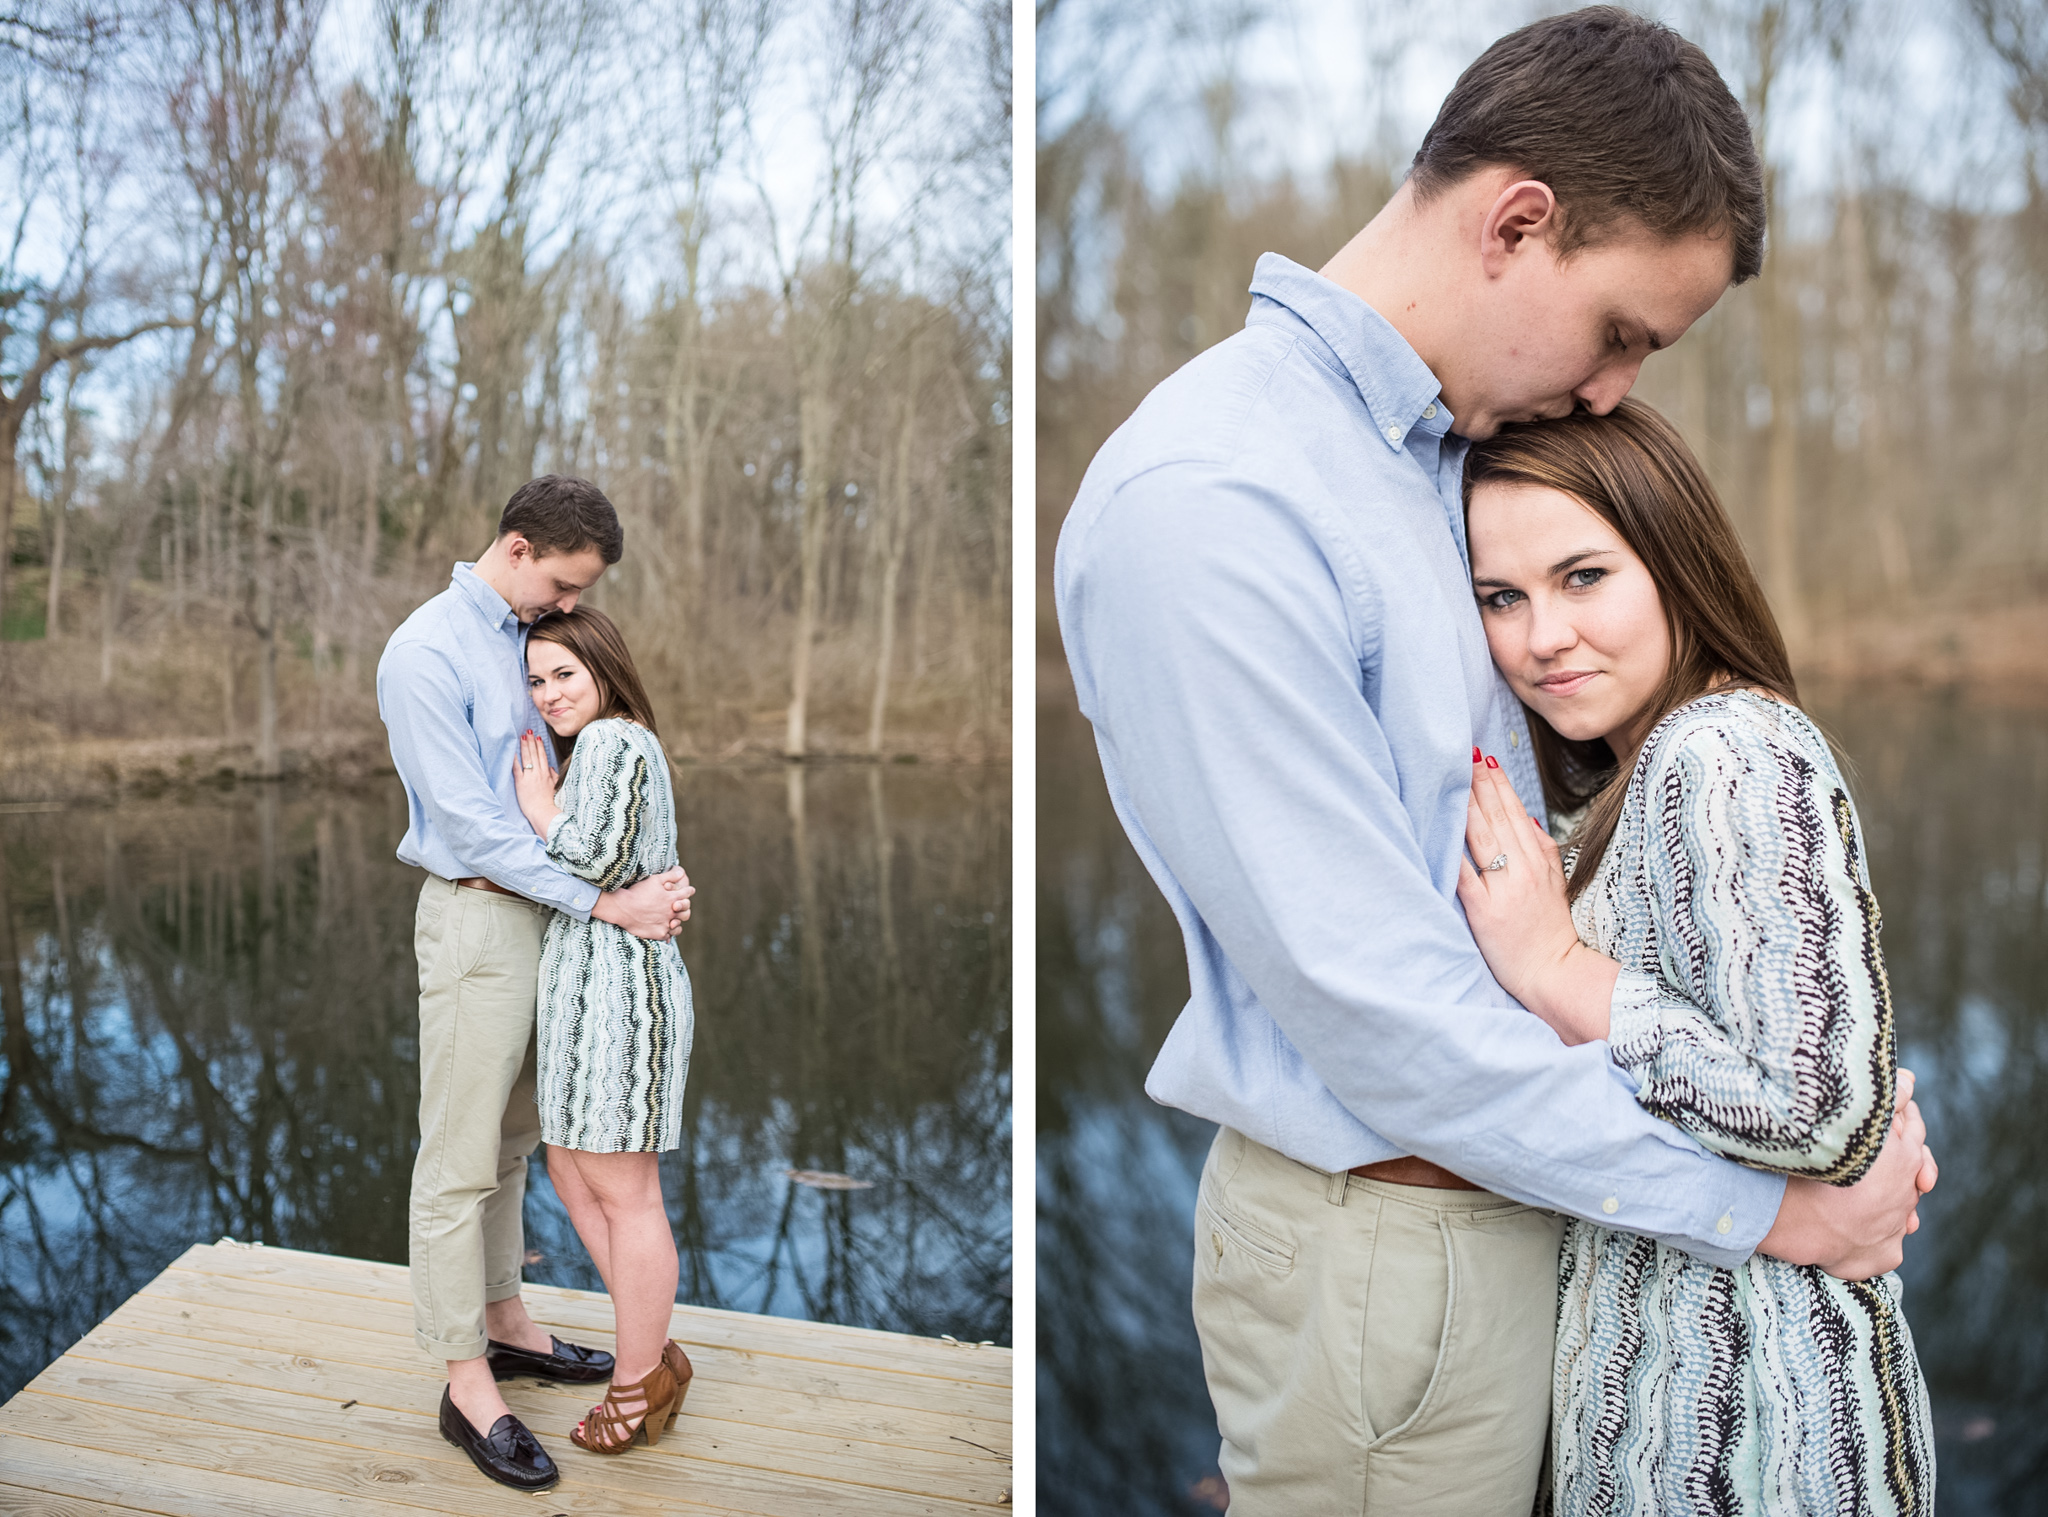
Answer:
(446, 1348)
(503, 1292)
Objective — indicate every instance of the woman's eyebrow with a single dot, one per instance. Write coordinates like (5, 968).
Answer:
(1565, 563)
(1484, 580)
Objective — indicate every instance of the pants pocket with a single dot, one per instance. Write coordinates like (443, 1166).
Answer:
(469, 934)
(1222, 1233)
(1408, 1302)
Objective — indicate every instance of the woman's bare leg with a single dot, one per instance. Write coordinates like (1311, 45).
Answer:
(630, 1224)
(584, 1212)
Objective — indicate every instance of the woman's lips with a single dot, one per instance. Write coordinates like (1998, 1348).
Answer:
(1566, 682)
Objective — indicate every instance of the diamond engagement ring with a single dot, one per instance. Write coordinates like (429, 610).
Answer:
(1500, 861)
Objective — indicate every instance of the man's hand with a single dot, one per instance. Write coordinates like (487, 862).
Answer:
(656, 908)
(1858, 1231)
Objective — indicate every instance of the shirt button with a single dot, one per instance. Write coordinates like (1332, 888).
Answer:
(1393, 434)
(1514, 739)
(1429, 413)
(1610, 1206)
(1725, 1225)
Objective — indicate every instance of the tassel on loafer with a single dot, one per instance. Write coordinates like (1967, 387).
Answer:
(508, 1453)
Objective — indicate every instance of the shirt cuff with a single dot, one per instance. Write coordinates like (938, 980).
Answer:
(1751, 1198)
(1635, 1029)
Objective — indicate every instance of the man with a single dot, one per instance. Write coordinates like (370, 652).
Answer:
(1264, 597)
(451, 687)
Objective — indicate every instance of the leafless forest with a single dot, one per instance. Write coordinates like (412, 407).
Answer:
(1872, 408)
(294, 294)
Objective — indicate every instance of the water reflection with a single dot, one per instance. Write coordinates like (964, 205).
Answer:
(1954, 799)
(210, 1003)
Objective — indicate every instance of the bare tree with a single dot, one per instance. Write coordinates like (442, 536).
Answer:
(712, 52)
(239, 123)
(404, 289)
(65, 169)
(872, 49)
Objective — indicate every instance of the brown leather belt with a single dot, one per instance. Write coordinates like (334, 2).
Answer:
(480, 883)
(1414, 1171)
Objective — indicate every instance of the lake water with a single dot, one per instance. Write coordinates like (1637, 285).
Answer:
(210, 1005)
(1953, 796)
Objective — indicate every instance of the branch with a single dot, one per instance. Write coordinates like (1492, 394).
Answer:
(79, 346)
(31, 387)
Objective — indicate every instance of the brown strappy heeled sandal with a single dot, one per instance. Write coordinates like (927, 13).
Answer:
(678, 1364)
(646, 1406)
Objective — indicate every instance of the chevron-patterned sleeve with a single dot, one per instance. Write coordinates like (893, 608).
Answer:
(1763, 1026)
(596, 836)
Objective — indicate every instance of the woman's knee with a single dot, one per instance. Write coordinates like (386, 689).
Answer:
(621, 1183)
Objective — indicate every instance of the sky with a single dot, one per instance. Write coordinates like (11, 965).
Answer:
(599, 182)
(1320, 79)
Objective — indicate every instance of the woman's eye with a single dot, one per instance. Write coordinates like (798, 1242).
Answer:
(1499, 600)
(1584, 579)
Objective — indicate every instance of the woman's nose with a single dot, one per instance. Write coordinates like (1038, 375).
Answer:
(1550, 633)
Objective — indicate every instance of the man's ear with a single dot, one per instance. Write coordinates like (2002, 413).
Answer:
(1523, 217)
(518, 548)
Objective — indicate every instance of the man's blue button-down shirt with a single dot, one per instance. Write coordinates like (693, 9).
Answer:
(451, 688)
(1265, 599)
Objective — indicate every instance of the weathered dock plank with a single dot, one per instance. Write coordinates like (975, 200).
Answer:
(266, 1381)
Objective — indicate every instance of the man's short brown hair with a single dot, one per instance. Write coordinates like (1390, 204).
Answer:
(1624, 119)
(558, 514)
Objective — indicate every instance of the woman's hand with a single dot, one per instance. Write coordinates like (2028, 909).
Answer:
(1518, 914)
(534, 779)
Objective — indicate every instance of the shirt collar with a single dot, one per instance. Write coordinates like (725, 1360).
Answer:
(494, 608)
(1397, 386)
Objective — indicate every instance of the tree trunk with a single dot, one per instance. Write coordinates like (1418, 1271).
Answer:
(54, 602)
(1781, 464)
(1873, 436)
(814, 437)
(266, 634)
(10, 434)
(896, 538)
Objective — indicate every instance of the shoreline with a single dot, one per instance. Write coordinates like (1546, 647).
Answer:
(109, 770)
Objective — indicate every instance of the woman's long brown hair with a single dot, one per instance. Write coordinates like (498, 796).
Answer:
(1633, 470)
(600, 647)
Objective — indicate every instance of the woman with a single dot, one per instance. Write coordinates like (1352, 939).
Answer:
(1712, 920)
(615, 1019)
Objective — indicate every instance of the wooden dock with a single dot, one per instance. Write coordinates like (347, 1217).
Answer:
(265, 1382)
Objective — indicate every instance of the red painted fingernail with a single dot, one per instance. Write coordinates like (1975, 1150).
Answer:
(1492, 762)
(1475, 753)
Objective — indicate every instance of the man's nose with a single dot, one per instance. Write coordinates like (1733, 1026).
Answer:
(1609, 387)
(568, 602)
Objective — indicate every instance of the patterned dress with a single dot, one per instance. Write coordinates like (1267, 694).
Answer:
(1754, 1012)
(615, 1018)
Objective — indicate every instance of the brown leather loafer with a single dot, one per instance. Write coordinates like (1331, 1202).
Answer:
(570, 1362)
(508, 1453)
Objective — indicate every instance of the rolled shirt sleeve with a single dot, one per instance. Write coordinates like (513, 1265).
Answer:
(1230, 692)
(425, 705)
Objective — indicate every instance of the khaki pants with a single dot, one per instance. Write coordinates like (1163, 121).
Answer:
(1372, 1349)
(479, 956)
